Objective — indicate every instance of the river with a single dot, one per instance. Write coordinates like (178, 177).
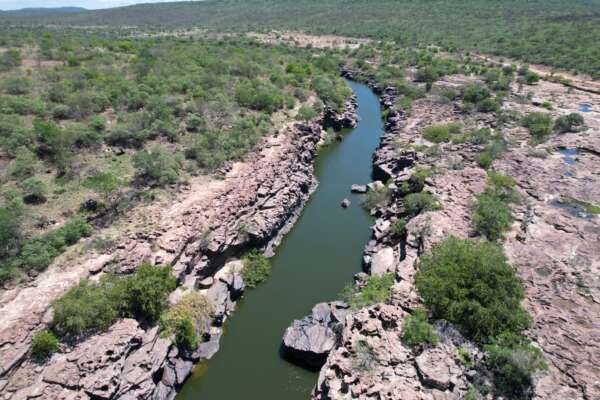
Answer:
(313, 263)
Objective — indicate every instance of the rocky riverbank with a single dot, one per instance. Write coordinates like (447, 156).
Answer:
(555, 248)
(255, 205)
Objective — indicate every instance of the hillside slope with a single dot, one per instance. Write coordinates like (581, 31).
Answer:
(565, 34)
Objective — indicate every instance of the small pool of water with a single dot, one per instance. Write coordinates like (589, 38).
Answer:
(585, 108)
(572, 208)
(569, 156)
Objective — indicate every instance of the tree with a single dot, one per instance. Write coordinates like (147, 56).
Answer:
(471, 285)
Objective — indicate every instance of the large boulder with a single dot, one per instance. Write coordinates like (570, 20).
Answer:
(383, 262)
(308, 341)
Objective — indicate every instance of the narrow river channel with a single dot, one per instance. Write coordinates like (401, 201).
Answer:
(314, 262)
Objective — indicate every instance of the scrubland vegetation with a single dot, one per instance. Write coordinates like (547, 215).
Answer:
(88, 119)
(564, 34)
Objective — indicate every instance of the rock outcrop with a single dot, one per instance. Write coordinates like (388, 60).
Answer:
(254, 206)
(554, 245)
(308, 341)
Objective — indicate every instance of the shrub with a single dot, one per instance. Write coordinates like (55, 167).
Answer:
(417, 330)
(127, 137)
(513, 360)
(257, 269)
(475, 93)
(43, 344)
(34, 190)
(377, 289)
(502, 186)
(539, 125)
(87, 307)
(436, 134)
(61, 111)
(471, 285)
(10, 228)
(193, 306)
(147, 290)
(24, 164)
(488, 105)
(104, 183)
(95, 306)
(417, 179)
(259, 96)
(306, 113)
(377, 197)
(568, 123)
(10, 59)
(158, 165)
(37, 254)
(416, 203)
(16, 85)
(186, 337)
(492, 216)
(97, 123)
(399, 227)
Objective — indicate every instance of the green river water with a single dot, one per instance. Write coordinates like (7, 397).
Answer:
(313, 263)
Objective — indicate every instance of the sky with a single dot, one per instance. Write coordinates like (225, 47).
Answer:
(90, 4)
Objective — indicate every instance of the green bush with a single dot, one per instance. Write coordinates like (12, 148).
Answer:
(436, 134)
(193, 306)
(502, 186)
(97, 123)
(186, 337)
(259, 96)
(398, 228)
(61, 111)
(306, 113)
(416, 181)
(146, 292)
(24, 164)
(471, 285)
(539, 125)
(377, 197)
(87, 307)
(377, 289)
(157, 165)
(513, 360)
(568, 123)
(95, 306)
(127, 136)
(491, 216)
(488, 105)
(257, 269)
(34, 190)
(37, 254)
(10, 59)
(104, 183)
(43, 344)
(416, 203)
(417, 330)
(16, 85)
(475, 93)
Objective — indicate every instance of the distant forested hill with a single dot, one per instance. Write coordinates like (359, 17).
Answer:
(562, 33)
